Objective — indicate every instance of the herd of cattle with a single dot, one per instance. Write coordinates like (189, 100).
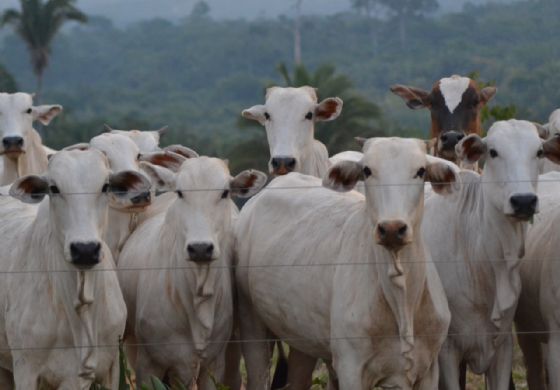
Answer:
(351, 259)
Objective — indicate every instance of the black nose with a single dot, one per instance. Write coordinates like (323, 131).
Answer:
(450, 139)
(283, 165)
(143, 198)
(200, 252)
(392, 234)
(524, 205)
(85, 254)
(12, 143)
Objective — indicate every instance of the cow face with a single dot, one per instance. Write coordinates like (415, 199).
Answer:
(147, 141)
(78, 184)
(289, 117)
(511, 150)
(124, 155)
(201, 215)
(394, 171)
(17, 114)
(455, 104)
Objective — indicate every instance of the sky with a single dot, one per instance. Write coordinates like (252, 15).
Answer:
(127, 11)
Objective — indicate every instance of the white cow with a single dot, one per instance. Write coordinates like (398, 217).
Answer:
(538, 313)
(289, 116)
(21, 149)
(181, 313)
(477, 240)
(147, 141)
(343, 277)
(551, 129)
(61, 301)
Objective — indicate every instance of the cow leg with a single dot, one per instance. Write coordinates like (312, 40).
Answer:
(449, 360)
(350, 358)
(499, 373)
(533, 359)
(256, 350)
(333, 378)
(146, 367)
(553, 359)
(430, 380)
(26, 378)
(300, 370)
(232, 375)
(216, 368)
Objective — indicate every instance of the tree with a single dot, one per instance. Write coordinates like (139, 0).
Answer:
(200, 10)
(7, 82)
(37, 23)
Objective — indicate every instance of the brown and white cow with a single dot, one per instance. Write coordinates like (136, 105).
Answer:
(455, 104)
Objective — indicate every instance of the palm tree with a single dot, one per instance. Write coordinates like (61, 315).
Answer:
(37, 24)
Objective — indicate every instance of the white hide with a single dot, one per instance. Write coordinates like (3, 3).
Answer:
(553, 127)
(49, 307)
(477, 246)
(17, 115)
(310, 271)
(289, 132)
(538, 312)
(452, 89)
(147, 141)
(181, 312)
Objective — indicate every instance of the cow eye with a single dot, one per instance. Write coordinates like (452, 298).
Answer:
(493, 153)
(28, 111)
(309, 115)
(179, 194)
(367, 172)
(421, 172)
(267, 116)
(225, 194)
(105, 188)
(540, 153)
(54, 189)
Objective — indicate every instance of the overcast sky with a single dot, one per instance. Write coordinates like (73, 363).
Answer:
(126, 11)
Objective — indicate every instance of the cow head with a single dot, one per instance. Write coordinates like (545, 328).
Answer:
(394, 171)
(512, 150)
(289, 116)
(147, 141)
(78, 184)
(201, 214)
(124, 155)
(455, 104)
(17, 114)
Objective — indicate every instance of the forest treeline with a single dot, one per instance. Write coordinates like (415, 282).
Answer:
(197, 75)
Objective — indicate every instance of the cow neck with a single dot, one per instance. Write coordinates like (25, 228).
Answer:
(496, 253)
(194, 288)
(34, 161)
(401, 278)
(73, 290)
(9, 170)
(316, 161)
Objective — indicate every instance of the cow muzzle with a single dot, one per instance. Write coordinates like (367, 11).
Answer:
(201, 252)
(448, 140)
(283, 165)
(524, 206)
(85, 254)
(13, 146)
(393, 235)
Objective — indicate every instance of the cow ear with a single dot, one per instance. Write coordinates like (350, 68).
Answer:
(470, 149)
(551, 149)
(443, 175)
(256, 113)
(247, 183)
(46, 113)
(30, 189)
(328, 109)
(163, 178)
(343, 176)
(487, 93)
(415, 98)
(169, 160)
(182, 150)
(543, 130)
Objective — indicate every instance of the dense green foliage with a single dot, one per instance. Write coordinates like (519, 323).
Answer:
(7, 82)
(199, 74)
(37, 23)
